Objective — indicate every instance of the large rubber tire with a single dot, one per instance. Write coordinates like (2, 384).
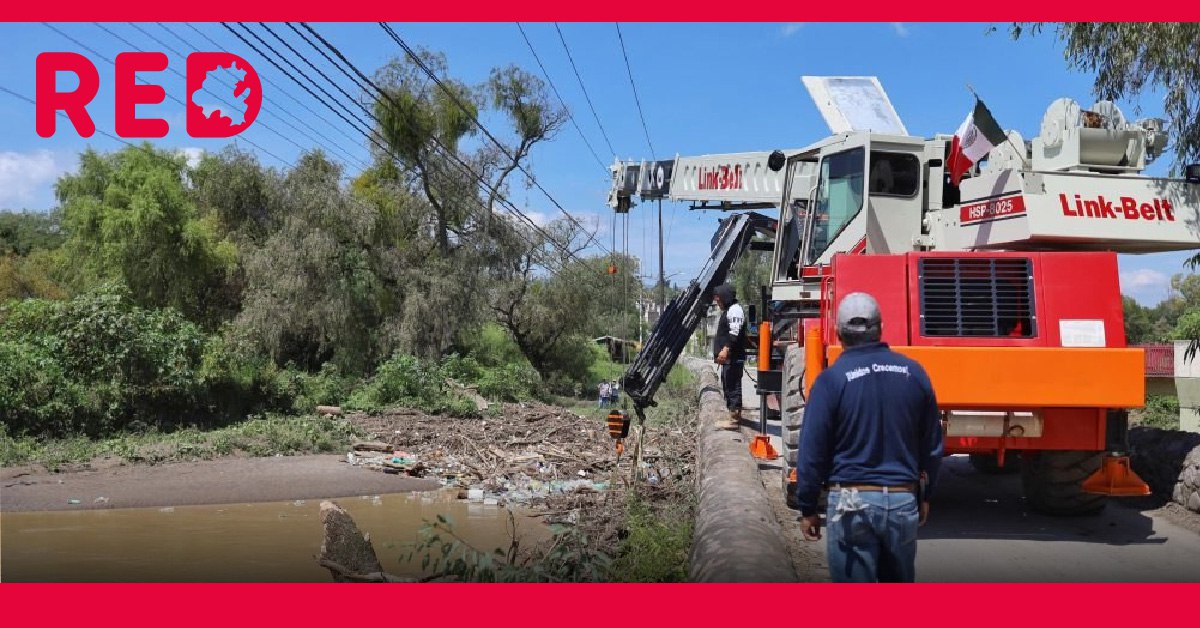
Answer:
(986, 463)
(1053, 482)
(791, 416)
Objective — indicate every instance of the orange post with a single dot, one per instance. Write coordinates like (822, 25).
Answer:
(764, 346)
(761, 447)
(814, 357)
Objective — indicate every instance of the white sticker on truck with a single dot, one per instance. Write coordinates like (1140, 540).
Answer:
(1081, 333)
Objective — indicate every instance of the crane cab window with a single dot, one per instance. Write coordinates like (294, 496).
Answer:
(894, 174)
(839, 198)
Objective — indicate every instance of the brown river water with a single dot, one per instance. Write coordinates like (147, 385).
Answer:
(261, 542)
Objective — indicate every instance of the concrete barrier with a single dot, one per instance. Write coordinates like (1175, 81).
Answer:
(737, 538)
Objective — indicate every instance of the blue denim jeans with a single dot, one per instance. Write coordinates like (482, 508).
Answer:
(872, 536)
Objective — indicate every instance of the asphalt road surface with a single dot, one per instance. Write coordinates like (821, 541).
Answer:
(980, 530)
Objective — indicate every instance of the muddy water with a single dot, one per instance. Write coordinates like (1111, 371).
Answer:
(263, 542)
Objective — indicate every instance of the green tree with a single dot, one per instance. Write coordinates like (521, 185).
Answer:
(26, 232)
(30, 277)
(546, 299)
(312, 294)
(29, 259)
(457, 187)
(752, 270)
(1138, 328)
(234, 189)
(130, 218)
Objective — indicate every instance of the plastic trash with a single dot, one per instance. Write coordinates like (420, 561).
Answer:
(73, 501)
(475, 494)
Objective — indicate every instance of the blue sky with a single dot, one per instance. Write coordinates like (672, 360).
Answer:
(704, 88)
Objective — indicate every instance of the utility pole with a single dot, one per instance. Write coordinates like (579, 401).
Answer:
(662, 281)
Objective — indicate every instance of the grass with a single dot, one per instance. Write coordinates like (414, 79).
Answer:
(657, 546)
(258, 436)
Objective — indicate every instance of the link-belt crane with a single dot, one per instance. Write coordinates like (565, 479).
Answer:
(1004, 287)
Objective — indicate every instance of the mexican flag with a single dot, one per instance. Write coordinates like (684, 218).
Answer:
(978, 134)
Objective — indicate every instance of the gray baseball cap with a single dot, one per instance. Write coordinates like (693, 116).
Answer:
(858, 311)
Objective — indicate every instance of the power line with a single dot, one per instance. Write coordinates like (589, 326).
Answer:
(448, 153)
(323, 141)
(297, 81)
(633, 85)
(585, 92)
(646, 132)
(333, 63)
(148, 150)
(314, 67)
(529, 176)
(360, 126)
(172, 97)
(182, 76)
(279, 89)
(496, 193)
(561, 100)
(65, 117)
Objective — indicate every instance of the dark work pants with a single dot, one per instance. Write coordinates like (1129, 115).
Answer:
(731, 383)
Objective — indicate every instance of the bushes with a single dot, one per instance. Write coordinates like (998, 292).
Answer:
(95, 364)
(35, 393)
(504, 381)
(407, 381)
(1161, 411)
(98, 365)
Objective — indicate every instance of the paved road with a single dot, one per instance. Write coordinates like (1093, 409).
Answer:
(981, 531)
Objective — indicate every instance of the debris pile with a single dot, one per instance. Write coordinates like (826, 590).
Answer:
(521, 453)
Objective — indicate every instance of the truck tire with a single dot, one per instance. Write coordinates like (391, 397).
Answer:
(1053, 481)
(791, 416)
(986, 463)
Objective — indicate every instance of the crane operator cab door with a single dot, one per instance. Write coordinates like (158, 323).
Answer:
(799, 180)
(867, 198)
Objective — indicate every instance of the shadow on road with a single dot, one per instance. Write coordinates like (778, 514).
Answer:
(973, 505)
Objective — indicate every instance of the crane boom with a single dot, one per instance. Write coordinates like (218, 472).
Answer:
(722, 181)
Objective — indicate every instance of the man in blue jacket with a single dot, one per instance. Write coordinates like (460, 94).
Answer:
(873, 433)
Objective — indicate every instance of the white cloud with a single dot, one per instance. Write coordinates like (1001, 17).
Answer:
(900, 28)
(27, 179)
(1146, 285)
(193, 155)
(791, 28)
(538, 218)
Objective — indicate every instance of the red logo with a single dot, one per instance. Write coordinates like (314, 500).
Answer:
(223, 94)
(720, 177)
(1125, 208)
(992, 209)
